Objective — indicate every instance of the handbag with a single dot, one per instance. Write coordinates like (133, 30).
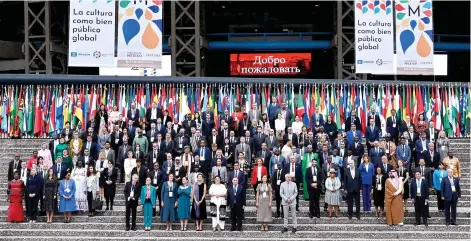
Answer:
(97, 204)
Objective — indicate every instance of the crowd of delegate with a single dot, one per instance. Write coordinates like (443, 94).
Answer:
(193, 170)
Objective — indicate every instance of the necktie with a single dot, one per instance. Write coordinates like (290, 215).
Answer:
(235, 189)
(263, 154)
(279, 174)
(377, 150)
(236, 173)
(292, 167)
(418, 184)
(422, 171)
(394, 119)
(385, 169)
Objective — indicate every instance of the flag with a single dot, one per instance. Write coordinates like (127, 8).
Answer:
(454, 111)
(59, 110)
(52, 115)
(86, 109)
(300, 111)
(38, 114)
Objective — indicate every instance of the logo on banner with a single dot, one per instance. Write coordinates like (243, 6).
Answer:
(97, 54)
(375, 6)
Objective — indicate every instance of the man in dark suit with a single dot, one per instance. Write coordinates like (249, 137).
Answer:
(133, 114)
(121, 155)
(357, 147)
(419, 194)
(236, 192)
(323, 155)
(271, 140)
(131, 197)
(351, 157)
(290, 136)
(13, 166)
(294, 169)
(179, 142)
(244, 125)
(265, 154)
(314, 180)
(451, 193)
(392, 126)
(208, 112)
(152, 133)
(116, 138)
(375, 154)
(140, 171)
(425, 173)
(59, 169)
(91, 146)
(352, 182)
(372, 135)
(214, 138)
(258, 139)
(236, 173)
(375, 117)
(86, 159)
(407, 124)
(157, 178)
(431, 157)
(421, 146)
(431, 132)
(317, 120)
(91, 133)
(385, 167)
(67, 132)
(227, 118)
(277, 178)
(205, 156)
(153, 156)
(352, 119)
(153, 113)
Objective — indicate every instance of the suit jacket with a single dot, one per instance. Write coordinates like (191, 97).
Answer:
(160, 177)
(254, 115)
(298, 174)
(240, 177)
(228, 120)
(211, 115)
(127, 194)
(288, 191)
(350, 137)
(222, 173)
(385, 171)
(93, 149)
(271, 144)
(194, 143)
(235, 198)
(427, 174)
(352, 184)
(274, 180)
(149, 114)
(355, 160)
(142, 174)
(420, 149)
(372, 135)
(404, 154)
(435, 134)
(273, 111)
(375, 156)
(136, 115)
(314, 121)
(63, 171)
(111, 156)
(423, 189)
(294, 139)
(310, 178)
(357, 151)
(257, 142)
(266, 160)
(287, 117)
(447, 191)
(391, 127)
(242, 128)
(404, 126)
(12, 169)
(149, 135)
(122, 154)
(247, 151)
(115, 145)
(150, 159)
(431, 161)
(207, 156)
(349, 122)
(206, 127)
(211, 140)
(377, 120)
(91, 160)
(177, 149)
(255, 173)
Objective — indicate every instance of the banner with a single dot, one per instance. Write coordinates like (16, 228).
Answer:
(91, 33)
(166, 69)
(271, 64)
(374, 37)
(140, 34)
(414, 37)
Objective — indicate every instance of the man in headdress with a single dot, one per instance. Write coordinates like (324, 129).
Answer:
(393, 200)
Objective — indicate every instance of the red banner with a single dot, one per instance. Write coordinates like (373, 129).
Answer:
(271, 64)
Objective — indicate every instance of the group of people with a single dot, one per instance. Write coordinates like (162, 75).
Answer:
(173, 167)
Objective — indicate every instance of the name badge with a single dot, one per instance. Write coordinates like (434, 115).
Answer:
(423, 178)
(314, 178)
(387, 151)
(168, 171)
(404, 154)
(379, 187)
(278, 182)
(67, 190)
(225, 154)
(180, 145)
(155, 160)
(132, 116)
(131, 194)
(394, 125)
(440, 180)
(152, 139)
(202, 158)
(443, 148)
(170, 194)
(276, 167)
(176, 173)
(116, 141)
(453, 189)
(418, 191)
(452, 166)
(245, 128)
(264, 194)
(155, 181)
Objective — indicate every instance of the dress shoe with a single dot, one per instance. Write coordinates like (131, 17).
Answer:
(349, 217)
(232, 229)
(133, 228)
(447, 223)
(426, 224)
(240, 229)
(284, 230)
(358, 217)
(111, 208)
(294, 230)
(416, 223)
(453, 223)
(318, 216)
(277, 215)
(311, 216)
(297, 209)
(107, 209)
(127, 228)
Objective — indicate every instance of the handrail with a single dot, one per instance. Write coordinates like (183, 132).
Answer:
(15, 79)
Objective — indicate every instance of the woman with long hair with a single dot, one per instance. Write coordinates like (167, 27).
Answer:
(92, 183)
(379, 182)
(263, 203)
(100, 166)
(198, 209)
(148, 203)
(50, 194)
(367, 172)
(184, 197)
(67, 203)
(169, 202)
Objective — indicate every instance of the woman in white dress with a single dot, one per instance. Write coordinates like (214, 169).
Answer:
(265, 124)
(280, 125)
(114, 115)
(79, 175)
(129, 164)
(218, 193)
(297, 125)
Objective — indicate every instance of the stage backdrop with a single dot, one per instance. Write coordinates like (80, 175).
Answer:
(140, 34)
(414, 37)
(270, 64)
(91, 33)
(374, 37)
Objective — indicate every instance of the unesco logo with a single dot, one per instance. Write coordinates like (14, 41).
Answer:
(97, 54)
(379, 62)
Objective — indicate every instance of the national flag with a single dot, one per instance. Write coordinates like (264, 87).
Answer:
(52, 114)
(438, 109)
(38, 114)
(300, 111)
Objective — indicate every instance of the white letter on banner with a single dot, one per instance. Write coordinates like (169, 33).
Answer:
(257, 58)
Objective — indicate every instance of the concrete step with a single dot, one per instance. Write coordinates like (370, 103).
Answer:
(351, 232)
(82, 218)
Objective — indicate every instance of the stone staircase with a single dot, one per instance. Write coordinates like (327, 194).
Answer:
(110, 224)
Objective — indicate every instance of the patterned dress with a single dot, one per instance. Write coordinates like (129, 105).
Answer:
(50, 191)
(80, 177)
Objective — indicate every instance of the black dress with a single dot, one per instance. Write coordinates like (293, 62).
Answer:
(111, 175)
(378, 195)
(202, 207)
(50, 191)
(102, 164)
(406, 184)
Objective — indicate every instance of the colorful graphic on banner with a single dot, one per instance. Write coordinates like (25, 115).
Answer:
(414, 37)
(91, 33)
(140, 34)
(374, 36)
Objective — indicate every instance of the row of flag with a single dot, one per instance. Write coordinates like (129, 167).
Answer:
(36, 110)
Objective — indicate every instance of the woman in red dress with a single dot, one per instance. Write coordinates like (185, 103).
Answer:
(421, 124)
(15, 193)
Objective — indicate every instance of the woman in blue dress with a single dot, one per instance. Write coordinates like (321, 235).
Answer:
(148, 203)
(67, 203)
(367, 171)
(184, 194)
(169, 202)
